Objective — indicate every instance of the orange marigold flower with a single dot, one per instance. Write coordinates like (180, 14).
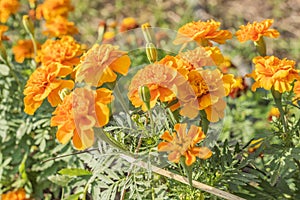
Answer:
(24, 49)
(162, 81)
(203, 33)
(44, 83)
(209, 87)
(8, 7)
(60, 26)
(297, 91)
(127, 24)
(79, 112)
(238, 87)
(256, 30)
(183, 143)
(66, 51)
(50, 9)
(2, 30)
(100, 63)
(19, 194)
(274, 112)
(270, 72)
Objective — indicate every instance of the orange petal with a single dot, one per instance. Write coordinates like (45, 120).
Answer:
(167, 136)
(189, 158)
(204, 153)
(121, 65)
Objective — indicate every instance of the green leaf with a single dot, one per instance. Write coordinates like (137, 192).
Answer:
(75, 172)
(73, 196)
(60, 180)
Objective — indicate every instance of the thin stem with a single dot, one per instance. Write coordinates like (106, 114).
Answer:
(182, 179)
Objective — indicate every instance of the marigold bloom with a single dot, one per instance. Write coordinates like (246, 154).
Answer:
(44, 83)
(209, 87)
(19, 194)
(270, 72)
(50, 9)
(66, 51)
(2, 30)
(256, 30)
(24, 49)
(274, 112)
(183, 143)
(8, 7)
(203, 33)
(60, 26)
(297, 91)
(100, 64)
(79, 112)
(127, 24)
(162, 81)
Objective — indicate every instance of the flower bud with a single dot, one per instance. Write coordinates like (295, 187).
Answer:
(28, 24)
(146, 32)
(145, 95)
(151, 52)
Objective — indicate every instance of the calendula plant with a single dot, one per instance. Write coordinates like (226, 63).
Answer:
(144, 113)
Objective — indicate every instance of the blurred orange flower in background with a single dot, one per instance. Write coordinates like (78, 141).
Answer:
(238, 87)
(66, 51)
(270, 72)
(60, 26)
(50, 9)
(44, 83)
(79, 112)
(8, 7)
(3, 29)
(274, 112)
(19, 194)
(23, 49)
(127, 24)
(100, 64)
(256, 30)
(183, 143)
(203, 33)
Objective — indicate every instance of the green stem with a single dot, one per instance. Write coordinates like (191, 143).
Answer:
(204, 123)
(188, 170)
(261, 47)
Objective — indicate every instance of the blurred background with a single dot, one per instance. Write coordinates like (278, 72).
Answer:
(175, 13)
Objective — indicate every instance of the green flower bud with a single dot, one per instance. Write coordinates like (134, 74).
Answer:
(145, 95)
(151, 52)
(29, 27)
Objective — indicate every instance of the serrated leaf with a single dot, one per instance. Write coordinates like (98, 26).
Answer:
(75, 172)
